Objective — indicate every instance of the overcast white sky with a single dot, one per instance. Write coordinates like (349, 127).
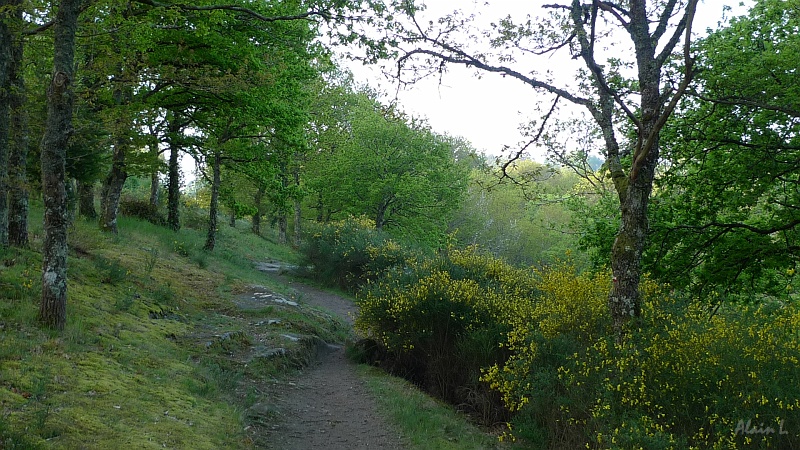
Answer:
(489, 110)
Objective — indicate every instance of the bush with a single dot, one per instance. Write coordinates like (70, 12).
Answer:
(442, 320)
(539, 346)
(682, 379)
(350, 253)
(142, 209)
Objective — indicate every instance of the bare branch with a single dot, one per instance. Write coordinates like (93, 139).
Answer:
(688, 75)
(469, 60)
(664, 21)
(522, 150)
(685, 22)
(614, 10)
(587, 53)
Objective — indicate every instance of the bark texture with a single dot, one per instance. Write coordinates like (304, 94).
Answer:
(86, 206)
(5, 107)
(111, 192)
(58, 128)
(18, 144)
(213, 207)
(174, 177)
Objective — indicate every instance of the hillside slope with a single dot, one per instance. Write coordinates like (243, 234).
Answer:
(157, 351)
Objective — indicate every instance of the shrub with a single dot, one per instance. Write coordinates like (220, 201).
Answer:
(442, 320)
(682, 378)
(142, 209)
(351, 252)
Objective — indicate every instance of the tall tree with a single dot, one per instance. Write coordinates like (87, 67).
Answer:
(6, 45)
(652, 30)
(392, 169)
(53, 312)
(18, 135)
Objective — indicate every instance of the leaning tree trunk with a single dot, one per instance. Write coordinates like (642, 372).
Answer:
(213, 207)
(18, 145)
(58, 128)
(174, 174)
(111, 192)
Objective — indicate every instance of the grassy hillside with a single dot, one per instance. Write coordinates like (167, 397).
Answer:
(156, 352)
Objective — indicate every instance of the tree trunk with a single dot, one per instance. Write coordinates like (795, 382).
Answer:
(256, 220)
(86, 200)
(154, 186)
(624, 300)
(298, 222)
(298, 212)
(58, 128)
(18, 146)
(71, 188)
(211, 237)
(174, 187)
(6, 43)
(282, 228)
(111, 191)
(232, 222)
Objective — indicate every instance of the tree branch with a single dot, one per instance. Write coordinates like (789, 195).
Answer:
(256, 15)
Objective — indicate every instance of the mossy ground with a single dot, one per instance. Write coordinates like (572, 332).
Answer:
(155, 353)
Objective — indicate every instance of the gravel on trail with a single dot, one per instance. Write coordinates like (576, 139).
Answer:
(329, 407)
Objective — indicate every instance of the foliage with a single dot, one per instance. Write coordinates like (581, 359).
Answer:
(351, 252)
(539, 346)
(441, 320)
(684, 380)
(725, 217)
(142, 209)
(391, 168)
(522, 218)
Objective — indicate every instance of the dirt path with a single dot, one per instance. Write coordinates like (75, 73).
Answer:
(329, 407)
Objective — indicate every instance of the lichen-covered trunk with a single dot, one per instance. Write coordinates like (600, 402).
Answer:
(111, 192)
(174, 182)
(58, 128)
(624, 300)
(18, 146)
(213, 207)
(86, 206)
(5, 107)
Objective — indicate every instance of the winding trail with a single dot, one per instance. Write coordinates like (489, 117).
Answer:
(329, 407)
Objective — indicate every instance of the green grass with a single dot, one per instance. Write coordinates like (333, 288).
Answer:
(132, 368)
(425, 423)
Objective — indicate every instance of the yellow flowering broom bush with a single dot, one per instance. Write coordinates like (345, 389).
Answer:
(536, 348)
(682, 379)
(441, 320)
